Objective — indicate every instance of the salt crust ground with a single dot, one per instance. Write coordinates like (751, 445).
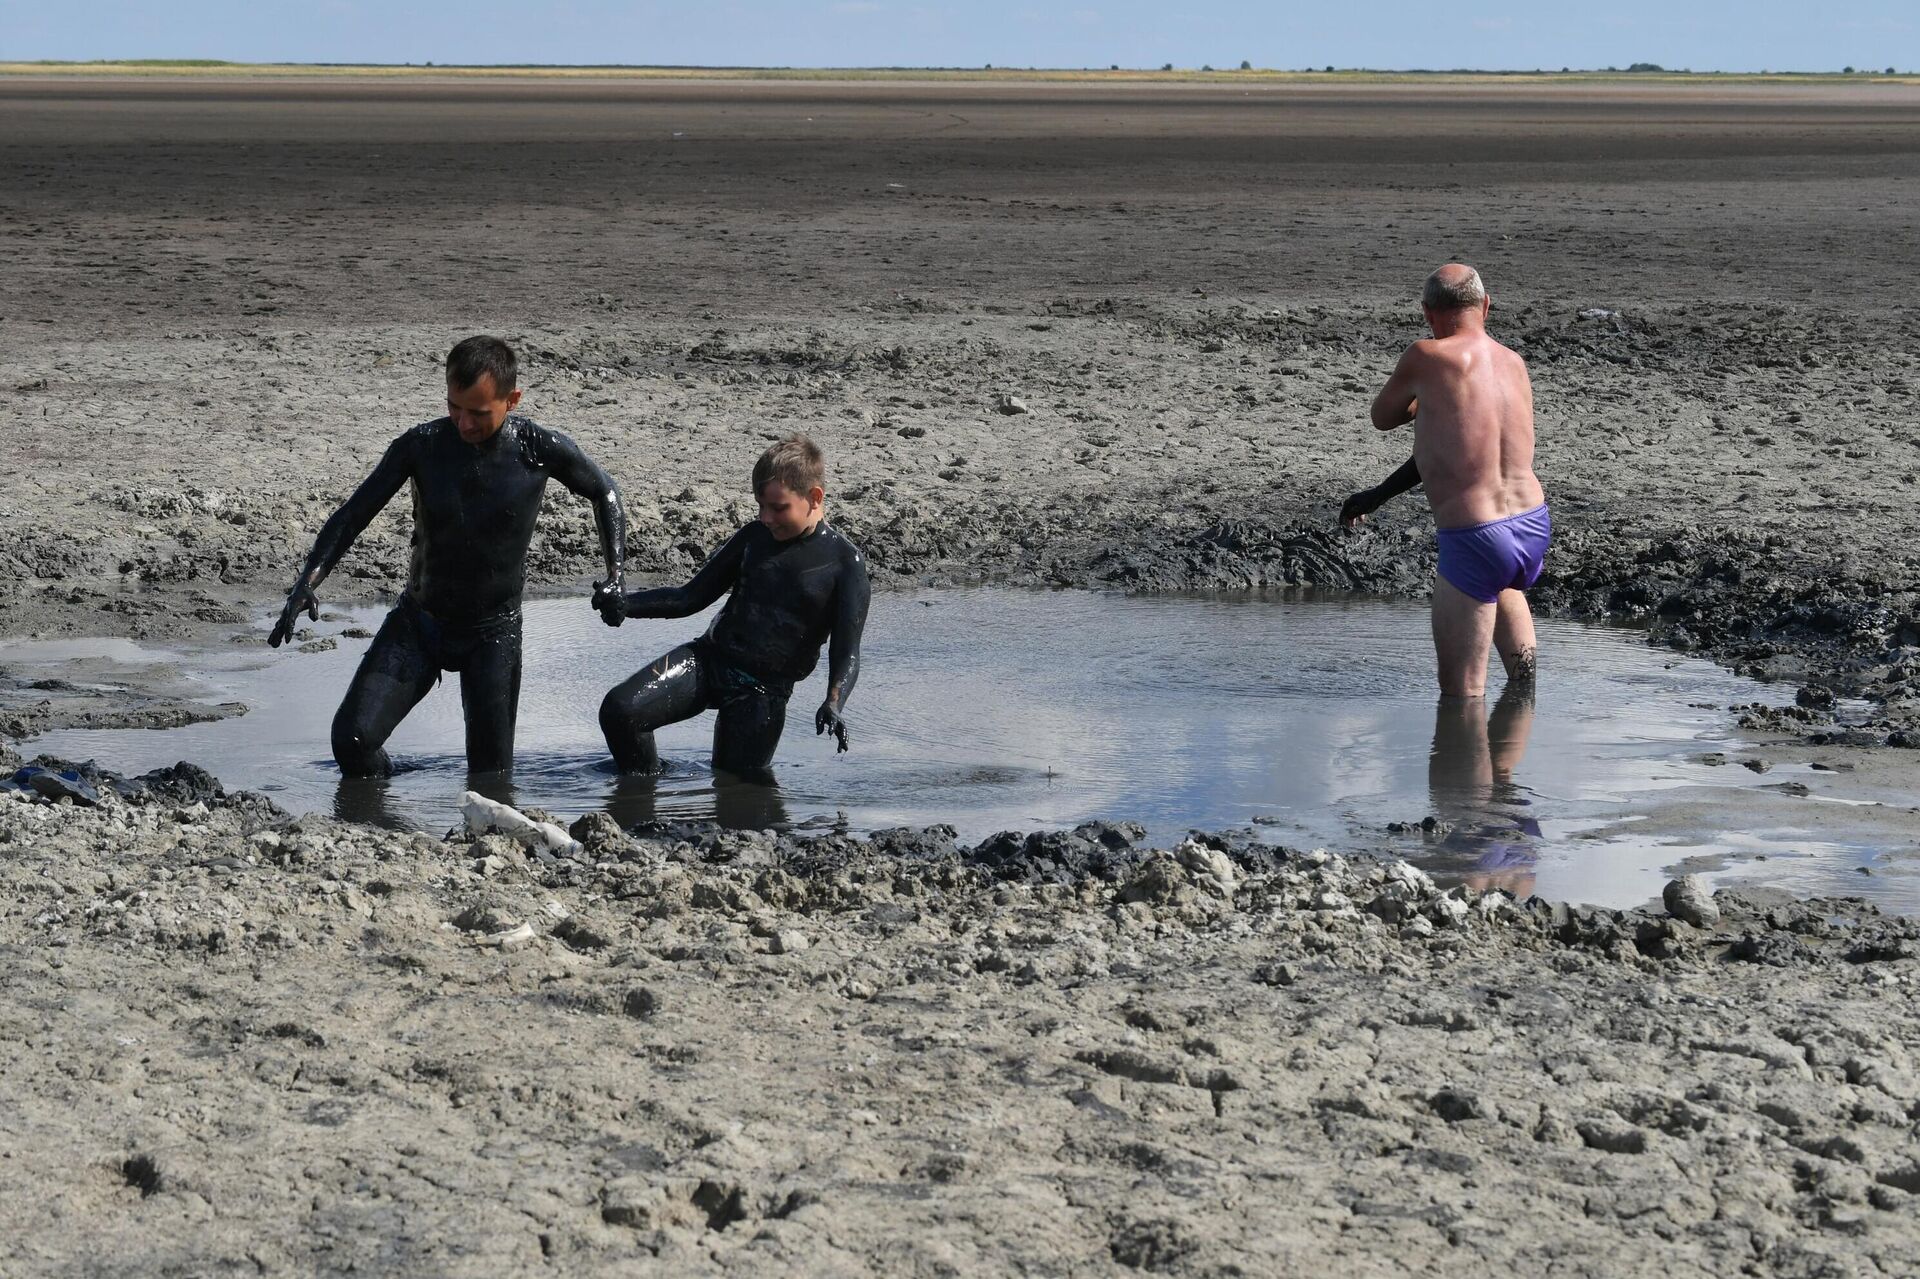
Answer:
(239, 1045)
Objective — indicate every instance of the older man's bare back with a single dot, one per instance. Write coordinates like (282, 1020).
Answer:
(1471, 404)
(1472, 410)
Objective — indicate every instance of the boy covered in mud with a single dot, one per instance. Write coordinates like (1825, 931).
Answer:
(1471, 404)
(477, 477)
(796, 584)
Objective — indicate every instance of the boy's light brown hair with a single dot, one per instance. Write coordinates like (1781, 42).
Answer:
(796, 462)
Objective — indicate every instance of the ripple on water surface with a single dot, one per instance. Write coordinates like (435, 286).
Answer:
(996, 709)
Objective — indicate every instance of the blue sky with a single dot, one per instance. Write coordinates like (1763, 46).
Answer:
(1813, 35)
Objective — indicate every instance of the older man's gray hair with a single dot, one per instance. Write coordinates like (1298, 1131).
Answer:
(1453, 288)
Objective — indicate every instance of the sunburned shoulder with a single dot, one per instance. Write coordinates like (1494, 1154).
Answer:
(1447, 350)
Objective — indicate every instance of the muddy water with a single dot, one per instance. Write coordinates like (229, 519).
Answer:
(1310, 718)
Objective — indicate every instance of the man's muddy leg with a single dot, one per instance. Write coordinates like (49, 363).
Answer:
(393, 676)
(490, 699)
(1462, 633)
(1513, 636)
(670, 690)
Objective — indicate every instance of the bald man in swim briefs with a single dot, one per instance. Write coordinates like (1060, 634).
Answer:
(1471, 405)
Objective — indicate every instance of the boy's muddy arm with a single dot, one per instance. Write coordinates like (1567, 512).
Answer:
(709, 584)
(843, 651)
(1364, 503)
(337, 534)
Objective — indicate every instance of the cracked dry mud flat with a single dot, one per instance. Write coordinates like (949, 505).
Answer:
(234, 1045)
(240, 1046)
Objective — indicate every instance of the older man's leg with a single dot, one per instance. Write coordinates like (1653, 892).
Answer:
(1462, 633)
(1513, 636)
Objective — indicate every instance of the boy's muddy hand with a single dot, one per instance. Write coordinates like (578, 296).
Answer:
(610, 600)
(300, 597)
(1357, 507)
(827, 720)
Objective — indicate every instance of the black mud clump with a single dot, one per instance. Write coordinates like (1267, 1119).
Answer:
(1091, 851)
(141, 1173)
(1095, 852)
(1105, 852)
(183, 783)
(1765, 927)
(179, 785)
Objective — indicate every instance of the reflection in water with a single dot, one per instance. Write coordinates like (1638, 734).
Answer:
(1470, 778)
(372, 799)
(737, 803)
(369, 800)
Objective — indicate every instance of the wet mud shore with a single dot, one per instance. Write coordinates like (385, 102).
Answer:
(245, 1043)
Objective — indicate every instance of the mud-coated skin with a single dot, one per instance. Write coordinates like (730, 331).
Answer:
(474, 508)
(1367, 501)
(688, 680)
(788, 599)
(404, 662)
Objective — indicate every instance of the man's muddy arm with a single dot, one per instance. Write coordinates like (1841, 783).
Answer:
(338, 534)
(1367, 501)
(713, 580)
(843, 649)
(585, 477)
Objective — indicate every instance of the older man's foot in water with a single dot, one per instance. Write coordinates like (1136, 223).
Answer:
(1471, 404)
(477, 475)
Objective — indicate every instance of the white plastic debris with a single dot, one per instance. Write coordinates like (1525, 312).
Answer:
(1212, 869)
(513, 938)
(485, 815)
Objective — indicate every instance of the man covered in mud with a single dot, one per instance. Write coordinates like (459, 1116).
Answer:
(797, 584)
(1471, 404)
(477, 476)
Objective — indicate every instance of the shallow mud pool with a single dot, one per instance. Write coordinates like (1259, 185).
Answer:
(1308, 717)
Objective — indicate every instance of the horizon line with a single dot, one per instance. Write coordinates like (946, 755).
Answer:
(1635, 71)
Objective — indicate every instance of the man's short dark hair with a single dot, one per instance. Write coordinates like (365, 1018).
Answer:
(482, 354)
(796, 462)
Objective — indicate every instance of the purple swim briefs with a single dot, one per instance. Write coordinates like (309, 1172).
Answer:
(1501, 555)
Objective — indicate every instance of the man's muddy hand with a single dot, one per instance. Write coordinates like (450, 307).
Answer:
(298, 599)
(828, 720)
(1357, 507)
(610, 601)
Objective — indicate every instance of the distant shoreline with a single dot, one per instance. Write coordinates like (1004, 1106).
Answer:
(192, 68)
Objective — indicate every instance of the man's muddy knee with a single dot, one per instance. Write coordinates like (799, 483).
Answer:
(357, 756)
(631, 746)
